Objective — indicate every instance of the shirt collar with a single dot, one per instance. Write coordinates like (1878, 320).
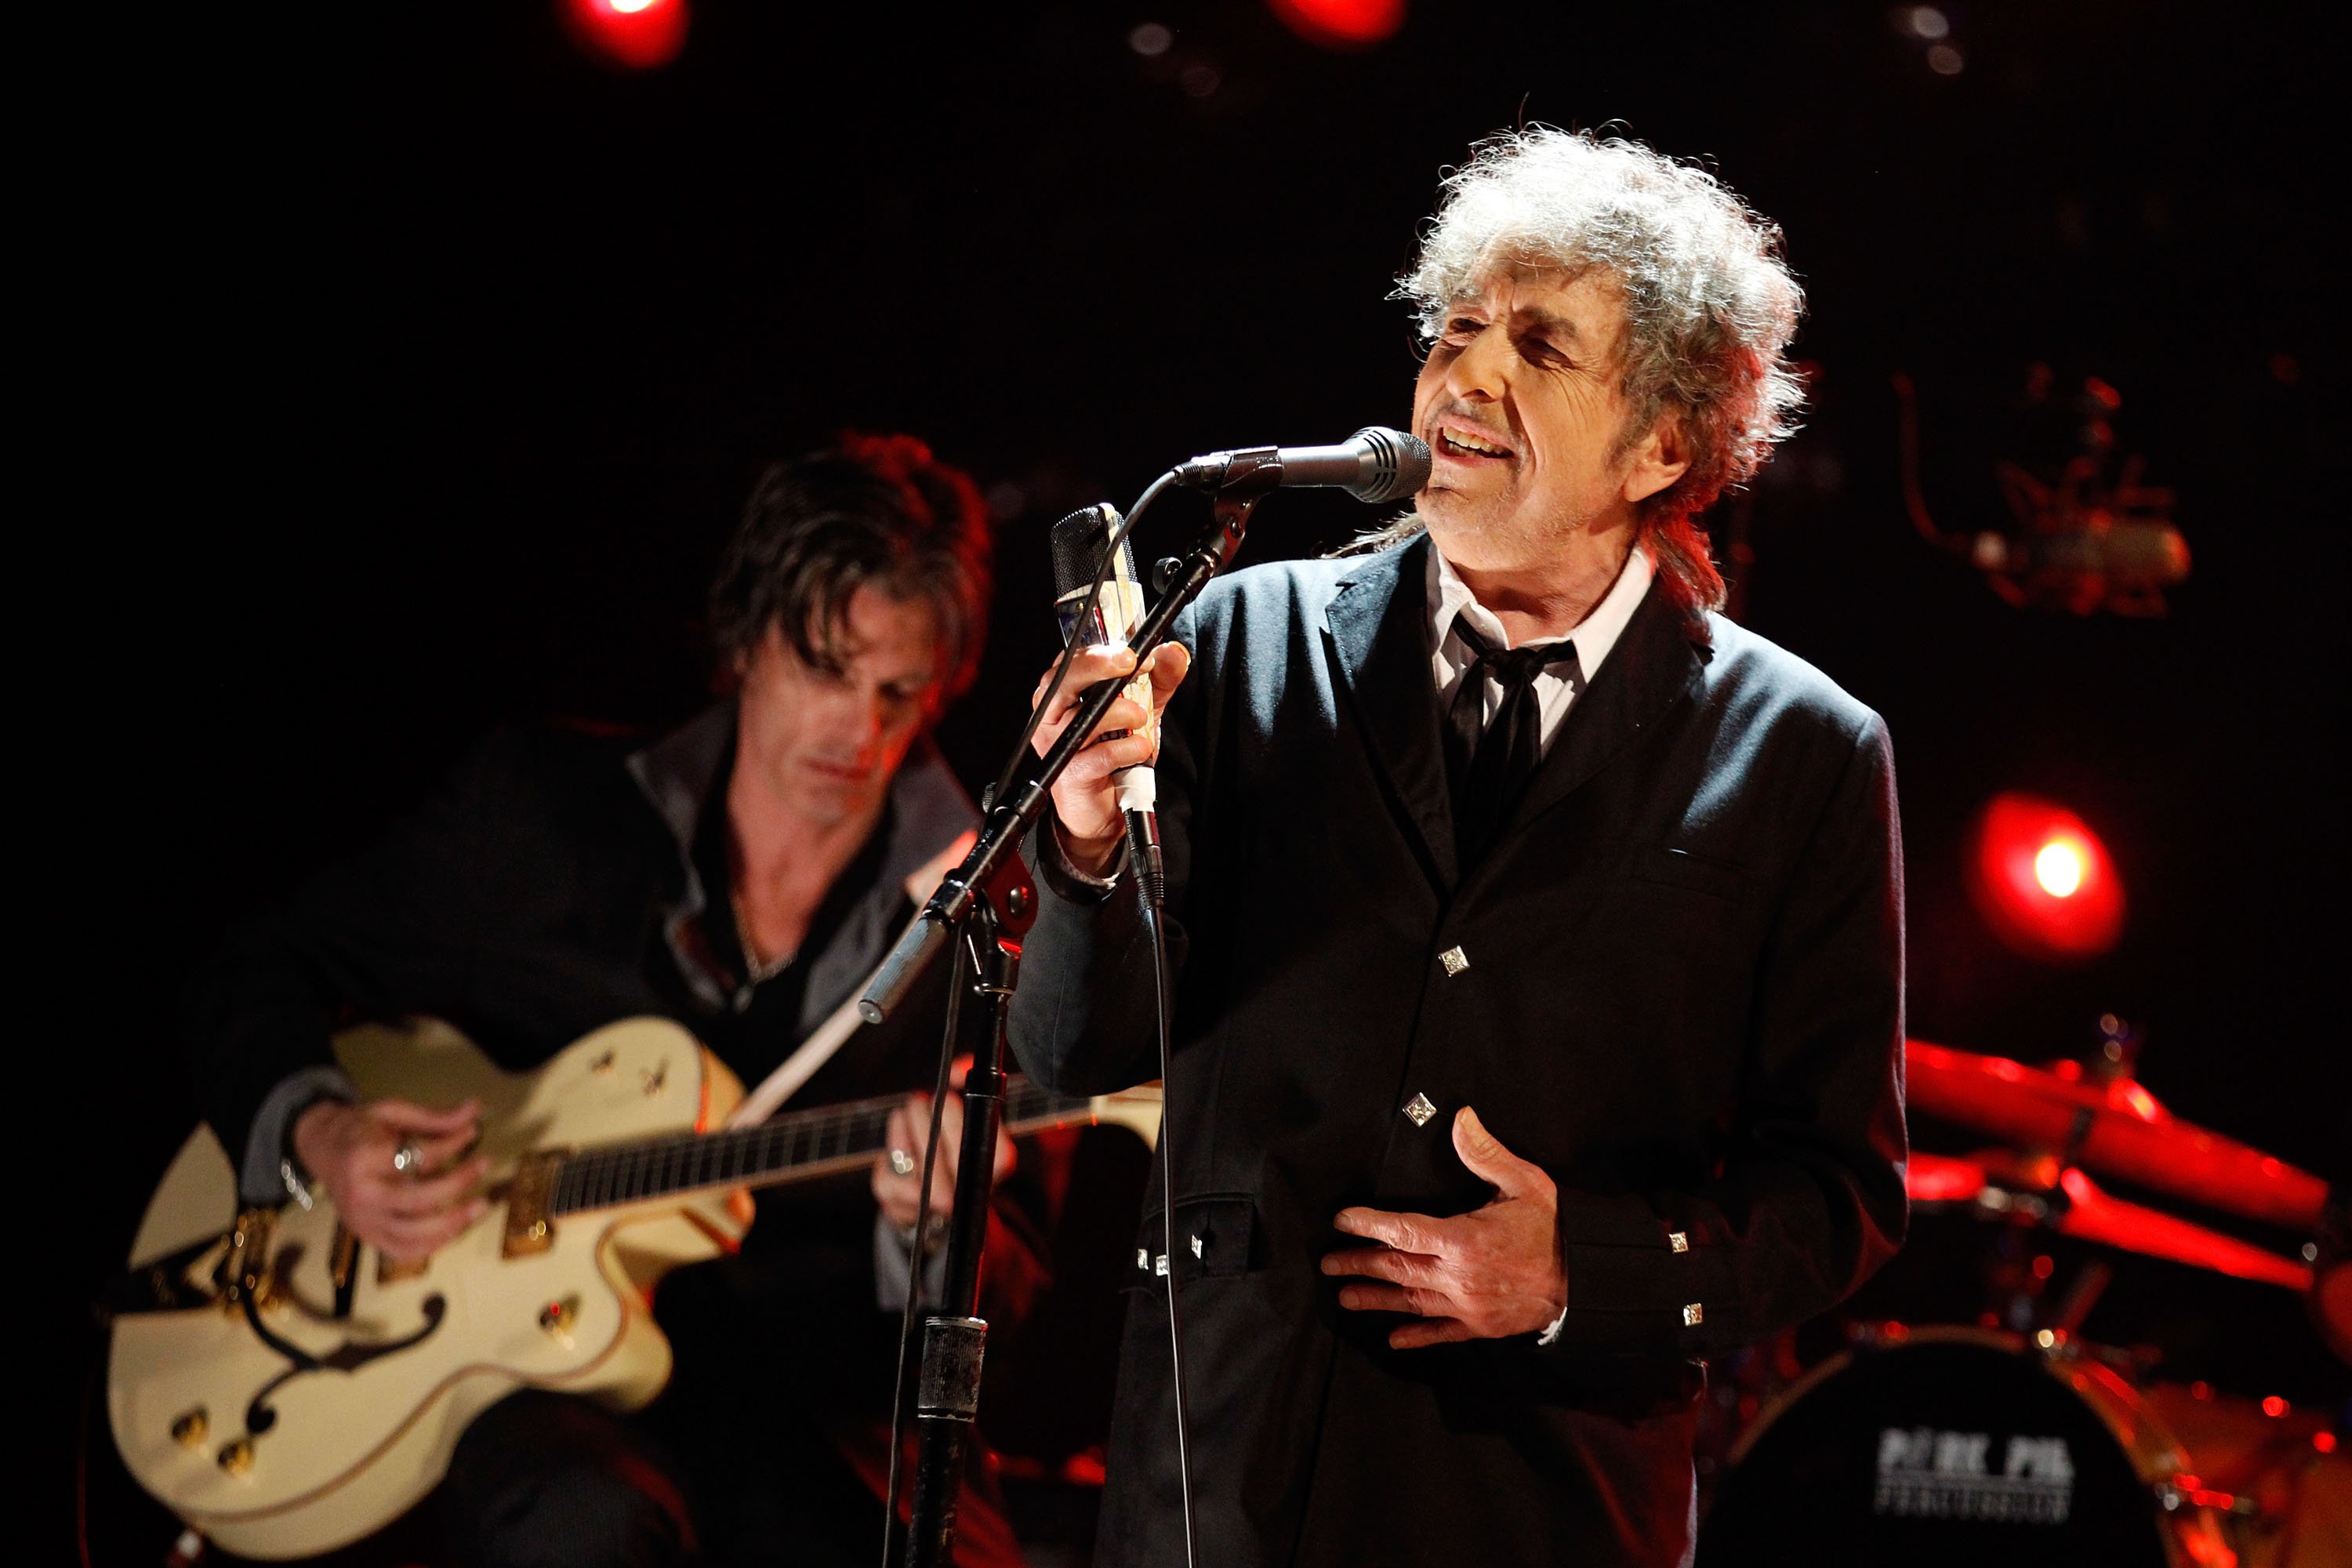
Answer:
(1594, 635)
(680, 777)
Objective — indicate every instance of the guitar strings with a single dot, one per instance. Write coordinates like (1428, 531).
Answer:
(628, 1173)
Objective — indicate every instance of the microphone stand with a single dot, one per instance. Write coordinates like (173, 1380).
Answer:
(991, 896)
(947, 1389)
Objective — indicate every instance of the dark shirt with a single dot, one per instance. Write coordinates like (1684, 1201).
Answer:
(556, 883)
(553, 884)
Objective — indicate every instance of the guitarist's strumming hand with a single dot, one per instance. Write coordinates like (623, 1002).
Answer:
(405, 1213)
(910, 1124)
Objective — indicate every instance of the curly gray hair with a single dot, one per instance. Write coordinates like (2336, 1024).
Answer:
(1710, 305)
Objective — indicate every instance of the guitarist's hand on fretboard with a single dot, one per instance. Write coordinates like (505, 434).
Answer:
(909, 1126)
(395, 1170)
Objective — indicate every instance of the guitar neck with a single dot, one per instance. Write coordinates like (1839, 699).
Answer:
(796, 1146)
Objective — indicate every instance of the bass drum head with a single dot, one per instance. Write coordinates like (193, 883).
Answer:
(1933, 1453)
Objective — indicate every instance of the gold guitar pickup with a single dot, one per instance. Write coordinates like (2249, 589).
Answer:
(244, 1268)
(530, 1225)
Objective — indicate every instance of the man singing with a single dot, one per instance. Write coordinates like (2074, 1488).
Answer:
(1539, 932)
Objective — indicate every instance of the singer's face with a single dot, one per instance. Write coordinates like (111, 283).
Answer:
(824, 742)
(1518, 401)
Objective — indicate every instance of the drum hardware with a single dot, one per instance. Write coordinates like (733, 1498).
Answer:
(1932, 1445)
(2101, 1118)
(2063, 1120)
(2039, 1191)
(2019, 1441)
(2330, 1253)
(2082, 1293)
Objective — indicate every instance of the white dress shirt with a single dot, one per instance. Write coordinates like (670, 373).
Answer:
(1594, 635)
(1448, 597)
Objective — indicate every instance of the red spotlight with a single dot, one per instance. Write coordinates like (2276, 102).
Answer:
(1342, 24)
(638, 34)
(2043, 880)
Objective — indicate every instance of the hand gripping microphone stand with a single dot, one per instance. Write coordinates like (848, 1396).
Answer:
(991, 900)
(1083, 578)
(1376, 466)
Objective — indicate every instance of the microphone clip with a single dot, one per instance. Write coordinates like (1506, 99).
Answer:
(1229, 505)
(1236, 481)
(1222, 471)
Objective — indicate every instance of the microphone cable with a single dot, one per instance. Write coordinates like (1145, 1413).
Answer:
(1144, 858)
(1149, 892)
(1143, 852)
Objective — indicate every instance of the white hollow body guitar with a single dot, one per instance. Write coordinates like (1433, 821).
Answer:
(286, 1391)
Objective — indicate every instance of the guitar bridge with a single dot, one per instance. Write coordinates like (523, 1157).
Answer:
(530, 1227)
(244, 1268)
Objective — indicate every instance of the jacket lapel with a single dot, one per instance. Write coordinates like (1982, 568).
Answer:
(1652, 665)
(1377, 622)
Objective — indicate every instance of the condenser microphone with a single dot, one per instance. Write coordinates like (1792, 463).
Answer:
(1077, 542)
(1376, 464)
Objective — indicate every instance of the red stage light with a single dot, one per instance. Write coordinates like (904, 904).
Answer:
(1342, 24)
(639, 34)
(2059, 867)
(2043, 880)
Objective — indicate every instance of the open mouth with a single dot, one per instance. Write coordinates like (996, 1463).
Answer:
(1469, 447)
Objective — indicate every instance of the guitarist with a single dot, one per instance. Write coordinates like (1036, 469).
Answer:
(740, 876)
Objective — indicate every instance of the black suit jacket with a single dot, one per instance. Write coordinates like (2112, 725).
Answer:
(1675, 984)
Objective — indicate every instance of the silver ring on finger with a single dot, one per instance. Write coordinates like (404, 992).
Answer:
(902, 1163)
(408, 1160)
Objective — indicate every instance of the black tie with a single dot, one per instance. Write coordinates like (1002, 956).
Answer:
(1490, 763)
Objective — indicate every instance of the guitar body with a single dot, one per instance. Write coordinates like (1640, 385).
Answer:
(272, 1459)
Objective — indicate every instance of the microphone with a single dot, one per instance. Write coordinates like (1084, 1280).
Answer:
(1077, 542)
(1376, 464)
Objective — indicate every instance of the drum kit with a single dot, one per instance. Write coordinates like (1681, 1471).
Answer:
(2011, 1440)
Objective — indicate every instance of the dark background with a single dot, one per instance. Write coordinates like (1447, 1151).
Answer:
(414, 365)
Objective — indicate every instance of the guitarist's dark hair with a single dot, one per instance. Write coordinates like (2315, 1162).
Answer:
(867, 510)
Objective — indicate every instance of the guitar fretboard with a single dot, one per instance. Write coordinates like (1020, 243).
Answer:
(796, 1144)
